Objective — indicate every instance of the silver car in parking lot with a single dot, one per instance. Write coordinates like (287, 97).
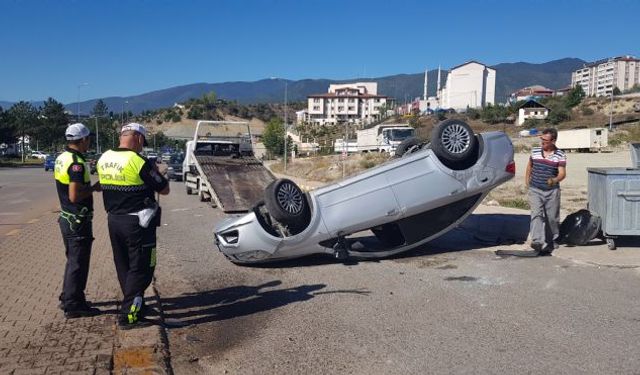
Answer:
(428, 189)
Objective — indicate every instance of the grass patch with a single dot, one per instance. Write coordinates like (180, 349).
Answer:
(515, 203)
(18, 163)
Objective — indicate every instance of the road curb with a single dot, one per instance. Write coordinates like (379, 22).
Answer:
(144, 350)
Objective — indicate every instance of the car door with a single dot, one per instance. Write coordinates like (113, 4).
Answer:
(420, 184)
(358, 203)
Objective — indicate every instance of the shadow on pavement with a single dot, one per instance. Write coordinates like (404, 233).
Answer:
(233, 302)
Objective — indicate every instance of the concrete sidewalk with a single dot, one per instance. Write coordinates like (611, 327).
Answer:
(35, 338)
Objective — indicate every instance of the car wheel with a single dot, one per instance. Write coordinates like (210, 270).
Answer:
(189, 190)
(287, 203)
(408, 146)
(454, 144)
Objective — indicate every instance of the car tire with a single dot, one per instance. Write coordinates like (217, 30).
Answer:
(409, 145)
(287, 204)
(454, 144)
(189, 190)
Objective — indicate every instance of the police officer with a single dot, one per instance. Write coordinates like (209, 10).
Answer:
(128, 183)
(76, 209)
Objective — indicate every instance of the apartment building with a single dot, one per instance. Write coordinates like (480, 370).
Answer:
(600, 77)
(471, 84)
(356, 103)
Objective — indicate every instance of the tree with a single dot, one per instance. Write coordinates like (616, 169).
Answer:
(574, 97)
(273, 137)
(6, 129)
(103, 126)
(616, 91)
(24, 118)
(53, 122)
(194, 113)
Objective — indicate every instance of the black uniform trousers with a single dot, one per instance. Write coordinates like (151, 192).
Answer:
(77, 238)
(134, 255)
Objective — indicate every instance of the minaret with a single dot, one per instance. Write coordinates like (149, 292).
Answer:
(424, 94)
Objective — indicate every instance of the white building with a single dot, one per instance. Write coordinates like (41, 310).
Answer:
(532, 110)
(357, 103)
(302, 116)
(599, 78)
(471, 84)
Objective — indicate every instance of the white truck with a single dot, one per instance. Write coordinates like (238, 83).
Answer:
(220, 166)
(585, 140)
(383, 138)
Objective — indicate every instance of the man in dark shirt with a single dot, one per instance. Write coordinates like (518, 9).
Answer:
(129, 183)
(76, 209)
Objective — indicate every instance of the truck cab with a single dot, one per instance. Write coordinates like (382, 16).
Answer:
(383, 138)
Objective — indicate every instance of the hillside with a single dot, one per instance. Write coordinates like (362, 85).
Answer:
(509, 77)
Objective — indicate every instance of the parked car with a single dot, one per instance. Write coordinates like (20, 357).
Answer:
(49, 163)
(428, 189)
(152, 156)
(38, 155)
(174, 169)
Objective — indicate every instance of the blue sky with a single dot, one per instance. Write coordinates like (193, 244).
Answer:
(120, 48)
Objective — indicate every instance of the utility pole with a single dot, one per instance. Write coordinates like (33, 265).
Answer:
(285, 126)
(611, 110)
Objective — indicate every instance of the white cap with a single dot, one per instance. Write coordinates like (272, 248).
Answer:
(76, 131)
(135, 127)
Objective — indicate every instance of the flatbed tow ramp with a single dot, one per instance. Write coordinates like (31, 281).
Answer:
(237, 183)
(221, 167)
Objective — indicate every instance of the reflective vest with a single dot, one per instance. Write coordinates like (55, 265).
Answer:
(120, 169)
(63, 162)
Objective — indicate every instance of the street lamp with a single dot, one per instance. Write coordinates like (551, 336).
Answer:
(78, 100)
(97, 135)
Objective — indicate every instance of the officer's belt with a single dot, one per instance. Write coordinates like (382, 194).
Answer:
(124, 188)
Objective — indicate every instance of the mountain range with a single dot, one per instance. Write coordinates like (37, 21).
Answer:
(509, 77)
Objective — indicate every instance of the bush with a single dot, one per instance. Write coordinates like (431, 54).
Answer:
(473, 114)
(586, 111)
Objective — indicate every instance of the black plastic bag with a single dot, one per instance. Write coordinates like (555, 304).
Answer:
(579, 228)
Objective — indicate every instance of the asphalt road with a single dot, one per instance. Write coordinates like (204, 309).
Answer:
(449, 307)
(25, 194)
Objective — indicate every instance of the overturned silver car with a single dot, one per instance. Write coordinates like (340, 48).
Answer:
(428, 189)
